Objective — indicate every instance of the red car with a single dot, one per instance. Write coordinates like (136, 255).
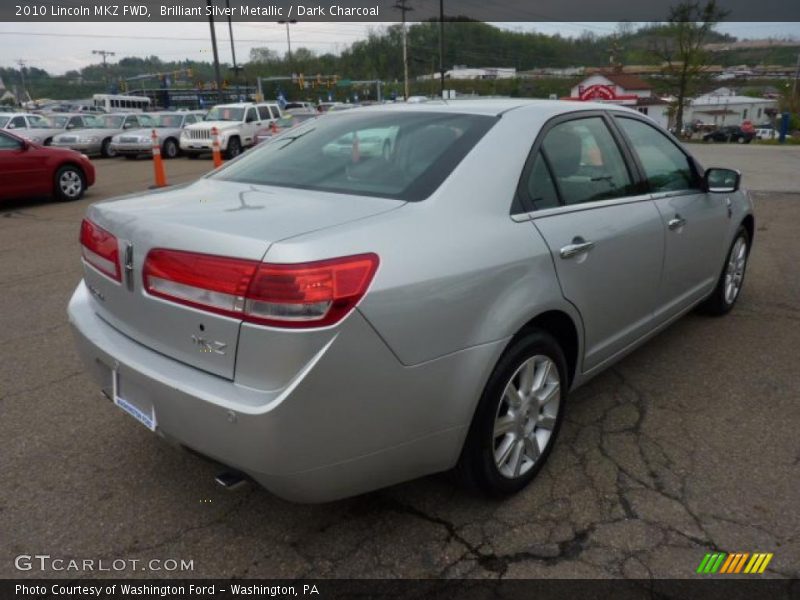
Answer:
(28, 170)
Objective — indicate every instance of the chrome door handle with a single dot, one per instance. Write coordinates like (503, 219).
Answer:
(574, 249)
(677, 222)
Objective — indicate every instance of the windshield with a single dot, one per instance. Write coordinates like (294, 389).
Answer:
(37, 122)
(58, 122)
(403, 155)
(173, 121)
(225, 113)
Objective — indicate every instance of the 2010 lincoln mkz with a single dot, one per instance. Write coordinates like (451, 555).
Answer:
(388, 292)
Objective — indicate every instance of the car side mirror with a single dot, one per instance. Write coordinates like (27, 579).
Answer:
(70, 126)
(721, 181)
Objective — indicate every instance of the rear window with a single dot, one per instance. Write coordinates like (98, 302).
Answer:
(403, 155)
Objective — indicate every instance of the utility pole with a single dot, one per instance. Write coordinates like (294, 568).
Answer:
(441, 48)
(233, 47)
(216, 53)
(105, 54)
(403, 7)
(22, 64)
(289, 40)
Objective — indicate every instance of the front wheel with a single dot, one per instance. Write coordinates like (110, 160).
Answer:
(170, 149)
(730, 282)
(234, 148)
(518, 417)
(107, 150)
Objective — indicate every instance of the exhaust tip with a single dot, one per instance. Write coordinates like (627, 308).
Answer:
(230, 480)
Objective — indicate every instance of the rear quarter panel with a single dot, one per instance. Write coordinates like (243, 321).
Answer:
(456, 271)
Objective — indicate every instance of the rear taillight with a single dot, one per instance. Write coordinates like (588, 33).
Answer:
(312, 294)
(100, 249)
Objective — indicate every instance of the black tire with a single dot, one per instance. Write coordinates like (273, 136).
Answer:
(69, 184)
(477, 466)
(720, 302)
(106, 150)
(48, 141)
(234, 148)
(170, 149)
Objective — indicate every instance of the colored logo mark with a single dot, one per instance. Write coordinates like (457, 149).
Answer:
(731, 564)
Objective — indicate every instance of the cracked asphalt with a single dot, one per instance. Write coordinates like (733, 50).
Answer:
(689, 445)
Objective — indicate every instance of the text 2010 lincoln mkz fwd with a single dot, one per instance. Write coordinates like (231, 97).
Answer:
(398, 290)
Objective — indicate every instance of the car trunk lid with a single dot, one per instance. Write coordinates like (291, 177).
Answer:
(208, 217)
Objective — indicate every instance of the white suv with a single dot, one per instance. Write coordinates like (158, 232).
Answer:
(237, 125)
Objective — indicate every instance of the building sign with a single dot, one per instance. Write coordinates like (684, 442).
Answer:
(602, 92)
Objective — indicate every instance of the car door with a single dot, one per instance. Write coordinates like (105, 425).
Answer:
(23, 169)
(694, 222)
(604, 235)
(252, 123)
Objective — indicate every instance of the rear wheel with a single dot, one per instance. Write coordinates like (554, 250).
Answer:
(69, 184)
(730, 282)
(518, 416)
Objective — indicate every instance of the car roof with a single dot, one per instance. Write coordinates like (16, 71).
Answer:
(496, 106)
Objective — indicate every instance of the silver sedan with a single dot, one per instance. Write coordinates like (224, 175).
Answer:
(328, 323)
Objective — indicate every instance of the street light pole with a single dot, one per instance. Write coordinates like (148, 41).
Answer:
(216, 53)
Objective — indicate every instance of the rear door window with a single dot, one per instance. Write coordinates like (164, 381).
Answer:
(264, 113)
(587, 164)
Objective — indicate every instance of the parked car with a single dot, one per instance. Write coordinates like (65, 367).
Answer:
(326, 106)
(287, 121)
(168, 127)
(27, 125)
(44, 128)
(334, 329)
(237, 125)
(96, 138)
(730, 133)
(299, 108)
(28, 170)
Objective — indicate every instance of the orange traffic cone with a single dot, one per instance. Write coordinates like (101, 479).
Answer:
(158, 163)
(215, 152)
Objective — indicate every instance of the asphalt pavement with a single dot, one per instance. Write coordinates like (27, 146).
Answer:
(687, 446)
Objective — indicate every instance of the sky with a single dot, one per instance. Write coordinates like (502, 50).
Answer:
(70, 45)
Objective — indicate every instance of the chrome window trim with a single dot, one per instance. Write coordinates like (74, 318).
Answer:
(562, 210)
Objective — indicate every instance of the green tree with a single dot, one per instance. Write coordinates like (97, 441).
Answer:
(680, 45)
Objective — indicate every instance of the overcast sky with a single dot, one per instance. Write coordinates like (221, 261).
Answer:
(70, 46)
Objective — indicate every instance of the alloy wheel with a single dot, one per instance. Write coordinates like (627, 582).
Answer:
(734, 272)
(526, 416)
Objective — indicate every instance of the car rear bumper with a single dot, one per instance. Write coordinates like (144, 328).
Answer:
(352, 419)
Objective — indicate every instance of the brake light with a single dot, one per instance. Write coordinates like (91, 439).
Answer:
(100, 249)
(301, 295)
